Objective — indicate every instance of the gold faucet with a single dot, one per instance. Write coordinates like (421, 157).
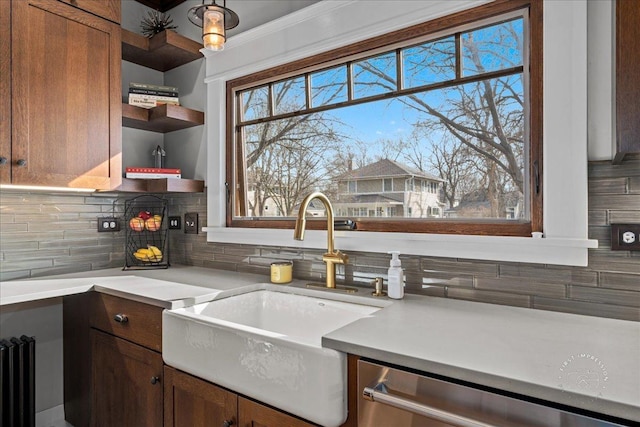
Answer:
(332, 257)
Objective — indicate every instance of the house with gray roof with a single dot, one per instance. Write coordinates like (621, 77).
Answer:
(387, 188)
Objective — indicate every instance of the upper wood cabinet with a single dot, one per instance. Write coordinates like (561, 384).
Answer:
(65, 97)
(107, 9)
(627, 81)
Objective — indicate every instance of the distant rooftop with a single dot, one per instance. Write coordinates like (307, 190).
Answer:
(386, 168)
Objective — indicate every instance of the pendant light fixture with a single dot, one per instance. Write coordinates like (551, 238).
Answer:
(214, 21)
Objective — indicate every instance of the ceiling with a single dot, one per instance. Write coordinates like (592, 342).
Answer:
(252, 13)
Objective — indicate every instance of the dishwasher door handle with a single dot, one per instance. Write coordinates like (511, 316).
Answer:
(380, 394)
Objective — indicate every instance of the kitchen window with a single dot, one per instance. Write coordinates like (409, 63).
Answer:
(449, 107)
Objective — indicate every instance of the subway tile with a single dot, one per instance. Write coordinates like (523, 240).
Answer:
(587, 308)
(613, 261)
(6, 266)
(549, 273)
(6, 218)
(532, 286)
(62, 225)
(624, 216)
(18, 245)
(613, 201)
(14, 227)
(442, 278)
(14, 275)
(492, 297)
(604, 169)
(598, 217)
(629, 282)
(50, 271)
(607, 296)
(26, 236)
(229, 266)
(634, 184)
(475, 268)
(38, 254)
(608, 186)
(602, 234)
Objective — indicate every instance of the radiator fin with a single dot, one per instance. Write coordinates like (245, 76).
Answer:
(17, 382)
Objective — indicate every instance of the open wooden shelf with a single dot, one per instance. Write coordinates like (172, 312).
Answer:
(162, 52)
(161, 5)
(162, 185)
(163, 118)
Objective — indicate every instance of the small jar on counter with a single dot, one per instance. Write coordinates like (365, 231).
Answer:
(281, 272)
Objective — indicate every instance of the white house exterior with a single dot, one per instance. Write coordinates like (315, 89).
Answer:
(388, 189)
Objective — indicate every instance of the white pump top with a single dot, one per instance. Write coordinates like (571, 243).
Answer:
(395, 260)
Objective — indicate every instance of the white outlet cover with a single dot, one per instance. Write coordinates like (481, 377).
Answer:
(628, 237)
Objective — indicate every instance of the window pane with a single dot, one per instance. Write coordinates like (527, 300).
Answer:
(429, 63)
(286, 160)
(446, 154)
(290, 95)
(374, 76)
(255, 103)
(329, 86)
(492, 48)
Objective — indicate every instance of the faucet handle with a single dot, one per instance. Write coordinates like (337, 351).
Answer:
(378, 292)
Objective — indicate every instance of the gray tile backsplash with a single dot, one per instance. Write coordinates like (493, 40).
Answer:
(49, 233)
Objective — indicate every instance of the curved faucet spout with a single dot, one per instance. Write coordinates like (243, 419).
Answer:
(332, 257)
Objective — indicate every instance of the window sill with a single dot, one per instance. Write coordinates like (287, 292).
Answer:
(557, 251)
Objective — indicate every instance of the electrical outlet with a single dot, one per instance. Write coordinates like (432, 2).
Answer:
(175, 223)
(191, 223)
(625, 237)
(108, 224)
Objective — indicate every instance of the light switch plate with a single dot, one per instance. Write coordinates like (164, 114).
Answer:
(191, 223)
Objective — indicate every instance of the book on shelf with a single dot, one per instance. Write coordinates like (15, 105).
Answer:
(152, 173)
(150, 101)
(153, 92)
(135, 175)
(148, 86)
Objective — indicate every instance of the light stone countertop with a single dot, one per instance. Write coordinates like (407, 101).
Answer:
(586, 362)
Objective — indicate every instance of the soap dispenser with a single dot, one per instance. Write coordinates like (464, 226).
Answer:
(395, 277)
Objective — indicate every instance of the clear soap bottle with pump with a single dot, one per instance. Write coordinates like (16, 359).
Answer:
(395, 277)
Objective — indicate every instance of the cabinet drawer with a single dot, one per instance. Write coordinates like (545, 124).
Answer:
(108, 9)
(134, 321)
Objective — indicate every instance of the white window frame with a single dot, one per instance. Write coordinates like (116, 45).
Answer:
(306, 33)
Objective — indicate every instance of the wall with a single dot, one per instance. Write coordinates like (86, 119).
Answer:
(47, 233)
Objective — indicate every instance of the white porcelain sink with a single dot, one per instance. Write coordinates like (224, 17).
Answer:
(266, 344)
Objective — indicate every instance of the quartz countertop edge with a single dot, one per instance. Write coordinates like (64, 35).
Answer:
(522, 351)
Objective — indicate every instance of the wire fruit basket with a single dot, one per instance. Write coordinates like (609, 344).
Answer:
(146, 243)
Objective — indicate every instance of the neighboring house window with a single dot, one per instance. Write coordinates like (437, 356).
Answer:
(455, 100)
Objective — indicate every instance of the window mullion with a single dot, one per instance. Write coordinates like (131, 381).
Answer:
(458, 56)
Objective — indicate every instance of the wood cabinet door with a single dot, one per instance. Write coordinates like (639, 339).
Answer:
(627, 82)
(5, 92)
(126, 383)
(192, 402)
(108, 9)
(66, 100)
(253, 414)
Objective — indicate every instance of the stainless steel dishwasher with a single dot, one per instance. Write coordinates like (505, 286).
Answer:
(392, 397)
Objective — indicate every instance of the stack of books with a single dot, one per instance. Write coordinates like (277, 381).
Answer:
(152, 173)
(148, 96)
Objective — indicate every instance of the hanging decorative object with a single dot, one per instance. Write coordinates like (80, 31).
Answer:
(214, 21)
(156, 22)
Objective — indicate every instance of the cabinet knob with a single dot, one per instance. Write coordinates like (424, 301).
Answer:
(21, 162)
(3, 160)
(155, 380)
(228, 423)
(121, 318)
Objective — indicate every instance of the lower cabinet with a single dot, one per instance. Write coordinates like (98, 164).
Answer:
(192, 402)
(127, 387)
